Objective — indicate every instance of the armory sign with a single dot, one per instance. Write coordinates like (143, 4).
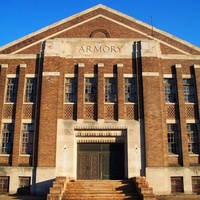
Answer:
(89, 48)
(98, 48)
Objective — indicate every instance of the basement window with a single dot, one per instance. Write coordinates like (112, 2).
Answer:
(196, 184)
(24, 185)
(176, 184)
(4, 184)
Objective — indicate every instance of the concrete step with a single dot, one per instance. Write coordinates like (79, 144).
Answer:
(100, 189)
(105, 198)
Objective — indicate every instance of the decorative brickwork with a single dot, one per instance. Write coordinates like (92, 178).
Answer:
(171, 111)
(191, 111)
(28, 111)
(90, 111)
(129, 111)
(69, 111)
(8, 111)
(109, 112)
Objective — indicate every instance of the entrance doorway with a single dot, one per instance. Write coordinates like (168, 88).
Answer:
(100, 161)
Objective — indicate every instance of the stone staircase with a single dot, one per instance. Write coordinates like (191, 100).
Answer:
(65, 188)
(100, 189)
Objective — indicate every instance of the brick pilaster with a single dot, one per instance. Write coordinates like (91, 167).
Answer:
(182, 116)
(100, 99)
(120, 91)
(152, 115)
(197, 81)
(18, 116)
(3, 75)
(80, 90)
(48, 119)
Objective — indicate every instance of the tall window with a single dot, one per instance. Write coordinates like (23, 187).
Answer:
(90, 89)
(27, 138)
(193, 138)
(7, 138)
(11, 92)
(176, 184)
(30, 95)
(173, 139)
(130, 90)
(189, 90)
(170, 90)
(71, 90)
(110, 90)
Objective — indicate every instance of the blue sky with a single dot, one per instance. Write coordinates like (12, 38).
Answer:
(180, 18)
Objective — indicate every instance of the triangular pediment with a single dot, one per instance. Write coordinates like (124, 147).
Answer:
(100, 22)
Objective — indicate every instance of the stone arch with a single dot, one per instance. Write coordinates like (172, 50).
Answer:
(99, 33)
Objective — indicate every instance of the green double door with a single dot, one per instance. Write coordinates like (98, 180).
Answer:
(100, 161)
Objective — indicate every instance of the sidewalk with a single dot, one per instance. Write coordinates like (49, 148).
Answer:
(15, 197)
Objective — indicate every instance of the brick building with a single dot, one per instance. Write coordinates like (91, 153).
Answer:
(99, 95)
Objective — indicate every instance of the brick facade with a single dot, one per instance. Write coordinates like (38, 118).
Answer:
(99, 43)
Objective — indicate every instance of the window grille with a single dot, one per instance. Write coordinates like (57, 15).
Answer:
(170, 90)
(110, 90)
(193, 138)
(30, 95)
(11, 91)
(173, 139)
(189, 90)
(90, 90)
(130, 90)
(7, 138)
(71, 90)
(176, 184)
(27, 139)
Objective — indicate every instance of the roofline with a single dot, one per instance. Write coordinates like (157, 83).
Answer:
(89, 10)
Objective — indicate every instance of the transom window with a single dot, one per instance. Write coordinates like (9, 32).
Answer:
(71, 90)
(90, 89)
(130, 90)
(176, 184)
(7, 138)
(170, 90)
(27, 138)
(189, 90)
(110, 90)
(173, 139)
(11, 92)
(30, 95)
(193, 138)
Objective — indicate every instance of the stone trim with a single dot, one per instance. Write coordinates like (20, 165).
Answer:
(150, 73)
(51, 74)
